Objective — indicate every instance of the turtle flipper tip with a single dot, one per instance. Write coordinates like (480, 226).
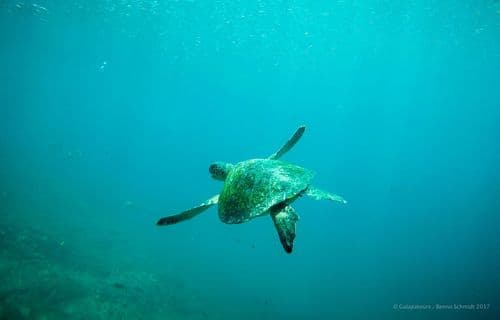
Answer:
(162, 222)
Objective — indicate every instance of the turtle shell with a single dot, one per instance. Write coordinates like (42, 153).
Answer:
(254, 186)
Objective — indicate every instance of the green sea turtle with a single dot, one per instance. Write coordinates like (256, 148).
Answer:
(258, 187)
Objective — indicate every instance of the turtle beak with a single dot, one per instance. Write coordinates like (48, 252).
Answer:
(219, 170)
(215, 171)
(218, 177)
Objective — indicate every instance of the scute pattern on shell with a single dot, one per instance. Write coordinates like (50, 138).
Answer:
(253, 186)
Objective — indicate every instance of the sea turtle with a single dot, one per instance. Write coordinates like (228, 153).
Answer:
(258, 187)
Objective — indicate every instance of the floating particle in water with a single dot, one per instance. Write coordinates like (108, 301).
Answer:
(237, 240)
(103, 65)
(119, 285)
(129, 204)
(39, 9)
(74, 154)
(33, 10)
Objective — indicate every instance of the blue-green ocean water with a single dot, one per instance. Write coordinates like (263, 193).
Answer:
(112, 111)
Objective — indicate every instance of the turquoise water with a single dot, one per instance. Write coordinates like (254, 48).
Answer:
(112, 111)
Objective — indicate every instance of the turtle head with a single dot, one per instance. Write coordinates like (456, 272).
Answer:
(220, 170)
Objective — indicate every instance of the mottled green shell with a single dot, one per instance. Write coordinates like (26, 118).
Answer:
(253, 186)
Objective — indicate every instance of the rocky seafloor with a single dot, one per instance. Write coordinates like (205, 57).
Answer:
(41, 278)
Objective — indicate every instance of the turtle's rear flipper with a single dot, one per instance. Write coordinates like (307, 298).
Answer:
(188, 214)
(323, 195)
(284, 221)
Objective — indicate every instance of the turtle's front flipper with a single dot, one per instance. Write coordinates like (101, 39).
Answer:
(323, 195)
(284, 221)
(289, 144)
(188, 214)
